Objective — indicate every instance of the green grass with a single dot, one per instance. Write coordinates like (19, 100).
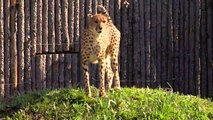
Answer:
(129, 103)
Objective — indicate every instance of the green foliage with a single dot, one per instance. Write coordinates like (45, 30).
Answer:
(129, 103)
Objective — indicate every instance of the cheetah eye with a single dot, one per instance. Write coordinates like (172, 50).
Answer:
(96, 21)
(104, 21)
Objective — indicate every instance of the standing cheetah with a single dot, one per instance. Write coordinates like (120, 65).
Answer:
(100, 44)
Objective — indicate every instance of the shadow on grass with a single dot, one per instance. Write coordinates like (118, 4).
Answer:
(9, 106)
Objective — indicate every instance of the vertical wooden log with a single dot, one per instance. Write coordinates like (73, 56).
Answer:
(136, 45)
(170, 45)
(82, 27)
(100, 2)
(13, 51)
(94, 4)
(61, 41)
(1, 49)
(44, 83)
(181, 47)
(163, 44)
(153, 40)
(191, 47)
(39, 27)
(55, 71)
(55, 33)
(56, 44)
(210, 47)
(38, 71)
(82, 16)
(44, 39)
(186, 43)
(159, 43)
(111, 9)
(7, 47)
(71, 34)
(118, 13)
(175, 78)
(130, 46)
(88, 8)
(51, 47)
(203, 49)
(58, 21)
(75, 58)
(197, 47)
(67, 69)
(20, 45)
(106, 4)
(76, 25)
(147, 41)
(123, 48)
(33, 36)
(45, 26)
(71, 23)
(65, 36)
(51, 27)
(38, 59)
(74, 69)
(64, 74)
(48, 71)
(27, 46)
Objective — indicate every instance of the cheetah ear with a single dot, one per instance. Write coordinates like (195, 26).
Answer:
(89, 16)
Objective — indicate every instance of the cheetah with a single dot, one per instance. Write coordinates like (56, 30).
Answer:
(100, 45)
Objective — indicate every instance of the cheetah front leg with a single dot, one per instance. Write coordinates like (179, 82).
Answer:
(102, 69)
(86, 78)
(109, 72)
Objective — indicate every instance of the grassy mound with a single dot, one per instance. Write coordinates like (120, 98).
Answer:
(130, 103)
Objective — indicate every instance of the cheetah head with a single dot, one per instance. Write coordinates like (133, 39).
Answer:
(97, 22)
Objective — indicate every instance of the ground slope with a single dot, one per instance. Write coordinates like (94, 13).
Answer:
(129, 103)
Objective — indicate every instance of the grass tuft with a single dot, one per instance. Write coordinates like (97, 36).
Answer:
(129, 103)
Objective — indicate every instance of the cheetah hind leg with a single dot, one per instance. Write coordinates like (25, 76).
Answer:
(109, 73)
(86, 79)
(116, 73)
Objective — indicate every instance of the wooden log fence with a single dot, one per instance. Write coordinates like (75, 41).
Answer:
(165, 43)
